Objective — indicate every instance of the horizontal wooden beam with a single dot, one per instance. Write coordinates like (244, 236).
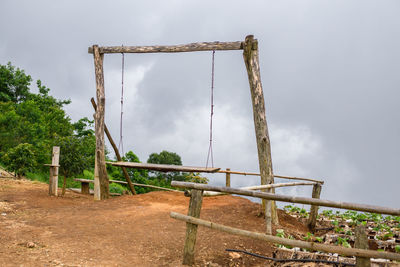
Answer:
(276, 176)
(162, 167)
(291, 199)
(204, 46)
(289, 242)
(258, 187)
(123, 182)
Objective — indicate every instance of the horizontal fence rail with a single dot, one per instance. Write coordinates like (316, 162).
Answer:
(228, 171)
(257, 187)
(289, 242)
(291, 199)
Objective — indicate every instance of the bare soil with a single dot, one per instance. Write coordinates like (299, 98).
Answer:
(74, 230)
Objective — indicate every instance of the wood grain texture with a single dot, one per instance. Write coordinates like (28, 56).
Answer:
(361, 241)
(116, 151)
(288, 242)
(284, 198)
(196, 200)
(258, 187)
(99, 125)
(228, 178)
(192, 47)
(163, 167)
(250, 55)
(53, 180)
(275, 175)
(314, 209)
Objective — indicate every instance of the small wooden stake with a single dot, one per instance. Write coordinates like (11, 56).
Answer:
(53, 180)
(228, 178)
(361, 242)
(195, 203)
(85, 189)
(314, 209)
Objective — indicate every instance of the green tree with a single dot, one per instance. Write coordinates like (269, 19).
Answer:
(37, 119)
(14, 84)
(20, 159)
(169, 158)
(76, 155)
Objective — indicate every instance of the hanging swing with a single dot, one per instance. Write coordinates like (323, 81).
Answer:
(164, 167)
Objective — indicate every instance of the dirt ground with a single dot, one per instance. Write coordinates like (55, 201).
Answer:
(74, 230)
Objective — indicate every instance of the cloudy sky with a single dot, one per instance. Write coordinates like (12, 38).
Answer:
(330, 72)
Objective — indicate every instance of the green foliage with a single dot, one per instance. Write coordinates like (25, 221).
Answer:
(196, 178)
(165, 157)
(319, 239)
(309, 237)
(77, 154)
(83, 127)
(397, 248)
(168, 158)
(281, 233)
(35, 119)
(38, 176)
(343, 242)
(20, 159)
(117, 188)
(14, 84)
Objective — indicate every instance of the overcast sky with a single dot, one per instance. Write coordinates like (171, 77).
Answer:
(330, 73)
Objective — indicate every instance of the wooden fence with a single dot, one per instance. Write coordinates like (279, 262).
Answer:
(193, 221)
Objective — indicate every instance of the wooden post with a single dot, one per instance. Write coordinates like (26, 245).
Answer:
(85, 189)
(196, 199)
(361, 241)
(53, 180)
(101, 170)
(114, 146)
(228, 178)
(250, 55)
(312, 220)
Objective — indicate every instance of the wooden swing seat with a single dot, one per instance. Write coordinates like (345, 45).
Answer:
(163, 167)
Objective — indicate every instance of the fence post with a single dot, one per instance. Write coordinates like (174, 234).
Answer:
(228, 178)
(361, 242)
(53, 180)
(196, 199)
(312, 220)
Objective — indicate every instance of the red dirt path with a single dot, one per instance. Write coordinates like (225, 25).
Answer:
(74, 230)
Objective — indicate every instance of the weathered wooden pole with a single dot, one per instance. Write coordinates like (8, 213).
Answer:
(312, 220)
(100, 166)
(203, 46)
(361, 241)
(228, 178)
(290, 199)
(196, 200)
(53, 179)
(114, 146)
(250, 55)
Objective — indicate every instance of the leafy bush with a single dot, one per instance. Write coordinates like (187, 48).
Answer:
(117, 188)
(20, 159)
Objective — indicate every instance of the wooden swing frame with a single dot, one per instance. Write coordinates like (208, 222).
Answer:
(251, 59)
